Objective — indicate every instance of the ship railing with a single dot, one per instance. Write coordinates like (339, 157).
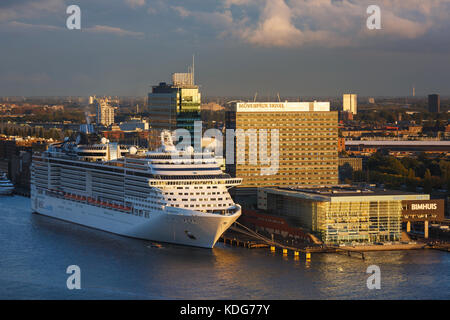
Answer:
(228, 182)
(98, 202)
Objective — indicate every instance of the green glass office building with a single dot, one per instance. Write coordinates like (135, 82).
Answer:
(174, 106)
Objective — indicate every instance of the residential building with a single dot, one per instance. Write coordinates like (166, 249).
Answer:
(350, 103)
(434, 103)
(105, 112)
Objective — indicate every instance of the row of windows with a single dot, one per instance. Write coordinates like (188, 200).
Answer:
(286, 115)
(251, 130)
(203, 205)
(287, 170)
(197, 193)
(200, 199)
(302, 176)
(205, 187)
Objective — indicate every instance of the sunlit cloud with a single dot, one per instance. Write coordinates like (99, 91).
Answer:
(135, 3)
(29, 26)
(328, 23)
(113, 30)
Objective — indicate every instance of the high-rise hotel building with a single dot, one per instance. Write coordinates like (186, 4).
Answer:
(307, 144)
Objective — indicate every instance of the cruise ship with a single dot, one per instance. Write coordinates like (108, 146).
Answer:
(6, 187)
(165, 195)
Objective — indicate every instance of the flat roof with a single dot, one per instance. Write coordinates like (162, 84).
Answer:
(398, 142)
(343, 193)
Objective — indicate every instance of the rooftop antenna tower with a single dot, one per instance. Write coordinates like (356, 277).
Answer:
(193, 69)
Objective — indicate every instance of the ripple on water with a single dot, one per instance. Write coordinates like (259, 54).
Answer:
(36, 250)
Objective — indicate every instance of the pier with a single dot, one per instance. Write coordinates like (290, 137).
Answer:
(241, 236)
(442, 247)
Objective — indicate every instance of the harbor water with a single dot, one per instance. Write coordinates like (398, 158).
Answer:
(35, 252)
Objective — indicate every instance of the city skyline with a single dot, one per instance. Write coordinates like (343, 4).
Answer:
(242, 150)
(241, 47)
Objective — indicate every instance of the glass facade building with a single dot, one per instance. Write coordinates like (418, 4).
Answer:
(174, 107)
(340, 214)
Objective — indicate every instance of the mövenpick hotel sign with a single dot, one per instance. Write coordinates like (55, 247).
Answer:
(282, 106)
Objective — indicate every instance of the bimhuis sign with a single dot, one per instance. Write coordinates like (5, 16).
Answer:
(422, 210)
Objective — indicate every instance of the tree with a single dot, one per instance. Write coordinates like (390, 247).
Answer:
(345, 172)
(411, 174)
(411, 181)
(427, 182)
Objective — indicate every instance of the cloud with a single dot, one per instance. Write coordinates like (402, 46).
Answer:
(182, 12)
(276, 28)
(135, 3)
(29, 26)
(95, 29)
(325, 23)
(19, 9)
(113, 30)
(229, 3)
(158, 7)
(217, 19)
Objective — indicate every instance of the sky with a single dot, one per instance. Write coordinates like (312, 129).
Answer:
(301, 48)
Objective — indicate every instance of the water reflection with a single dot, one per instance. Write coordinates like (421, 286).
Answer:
(36, 250)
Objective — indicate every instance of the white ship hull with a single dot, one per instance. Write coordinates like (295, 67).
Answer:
(173, 225)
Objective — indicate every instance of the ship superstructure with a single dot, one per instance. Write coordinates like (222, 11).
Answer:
(168, 195)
